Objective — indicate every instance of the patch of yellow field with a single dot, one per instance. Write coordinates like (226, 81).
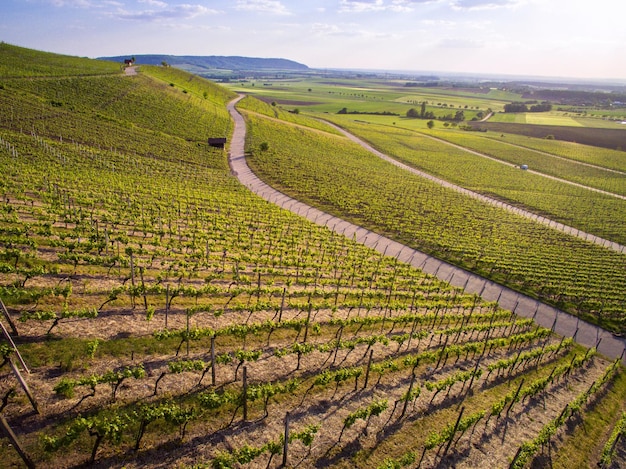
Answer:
(540, 118)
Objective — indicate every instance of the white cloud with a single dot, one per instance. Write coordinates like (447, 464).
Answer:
(359, 6)
(363, 6)
(265, 6)
(73, 3)
(485, 4)
(183, 11)
(155, 3)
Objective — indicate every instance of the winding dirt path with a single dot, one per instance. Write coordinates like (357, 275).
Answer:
(538, 173)
(130, 71)
(511, 208)
(562, 323)
(581, 163)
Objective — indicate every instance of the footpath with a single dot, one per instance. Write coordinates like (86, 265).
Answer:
(498, 203)
(560, 322)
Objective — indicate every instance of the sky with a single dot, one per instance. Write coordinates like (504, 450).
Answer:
(552, 38)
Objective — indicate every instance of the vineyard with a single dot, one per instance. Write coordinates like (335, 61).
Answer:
(167, 317)
(552, 266)
(602, 214)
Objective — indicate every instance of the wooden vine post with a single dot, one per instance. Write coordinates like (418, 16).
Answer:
(213, 360)
(132, 277)
(367, 371)
(7, 336)
(469, 388)
(456, 425)
(408, 395)
(24, 385)
(16, 443)
(282, 305)
(245, 393)
(188, 314)
(167, 303)
(7, 316)
(308, 320)
(286, 440)
(519, 389)
(143, 289)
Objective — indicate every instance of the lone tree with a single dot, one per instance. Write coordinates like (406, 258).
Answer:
(412, 113)
(430, 124)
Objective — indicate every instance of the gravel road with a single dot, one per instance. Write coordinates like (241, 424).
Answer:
(562, 323)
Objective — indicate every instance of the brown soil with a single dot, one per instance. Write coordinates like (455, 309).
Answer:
(494, 441)
(607, 138)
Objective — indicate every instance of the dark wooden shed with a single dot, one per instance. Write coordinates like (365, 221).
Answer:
(217, 142)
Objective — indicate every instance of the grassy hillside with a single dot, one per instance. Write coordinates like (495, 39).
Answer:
(21, 62)
(144, 282)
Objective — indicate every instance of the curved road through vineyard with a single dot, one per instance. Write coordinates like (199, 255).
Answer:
(538, 173)
(483, 198)
(562, 323)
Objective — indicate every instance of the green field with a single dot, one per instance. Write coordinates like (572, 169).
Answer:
(379, 95)
(329, 96)
(21, 62)
(171, 318)
(459, 98)
(540, 118)
(603, 157)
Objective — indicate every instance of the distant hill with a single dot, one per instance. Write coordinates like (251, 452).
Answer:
(212, 62)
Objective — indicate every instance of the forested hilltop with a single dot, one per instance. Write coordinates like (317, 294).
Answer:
(211, 62)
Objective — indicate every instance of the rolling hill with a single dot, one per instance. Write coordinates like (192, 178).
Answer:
(213, 62)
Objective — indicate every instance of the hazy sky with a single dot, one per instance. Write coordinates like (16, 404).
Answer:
(571, 38)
